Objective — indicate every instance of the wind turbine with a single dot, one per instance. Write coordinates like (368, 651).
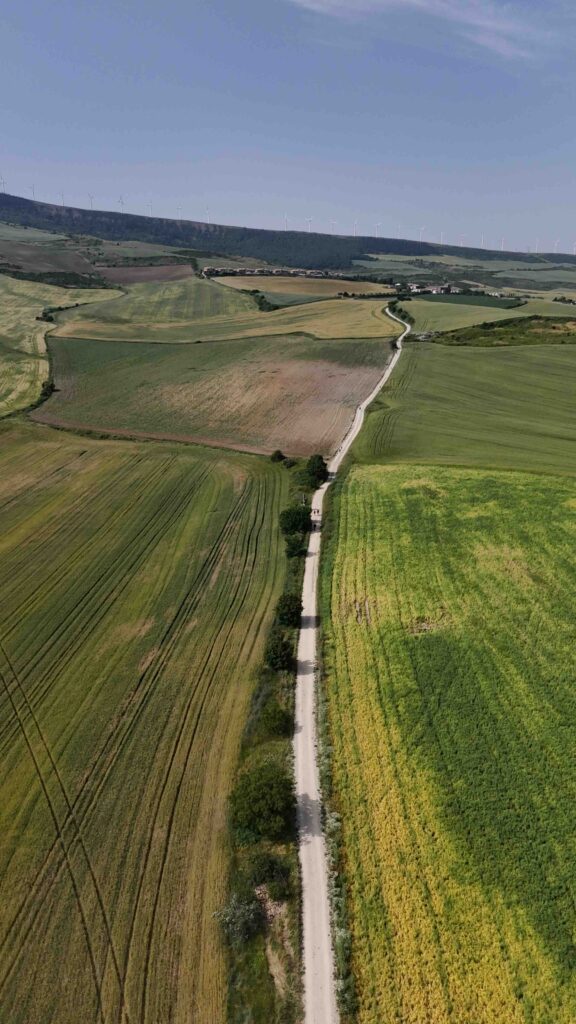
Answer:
(285, 222)
(355, 228)
(556, 244)
(537, 245)
(179, 212)
(378, 226)
(502, 245)
(32, 189)
(462, 237)
(62, 198)
(441, 238)
(309, 223)
(333, 224)
(2, 184)
(482, 242)
(121, 203)
(574, 249)
(150, 208)
(207, 215)
(421, 233)
(91, 198)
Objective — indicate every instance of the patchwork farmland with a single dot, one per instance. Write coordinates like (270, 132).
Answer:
(136, 585)
(288, 379)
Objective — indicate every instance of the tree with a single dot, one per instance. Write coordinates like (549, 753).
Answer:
(279, 655)
(317, 470)
(262, 803)
(289, 610)
(277, 456)
(295, 519)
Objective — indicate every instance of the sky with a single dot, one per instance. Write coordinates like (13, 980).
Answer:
(440, 119)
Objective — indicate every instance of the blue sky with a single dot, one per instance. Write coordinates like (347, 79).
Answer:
(452, 116)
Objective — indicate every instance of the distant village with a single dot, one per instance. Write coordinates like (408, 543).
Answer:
(403, 287)
(274, 272)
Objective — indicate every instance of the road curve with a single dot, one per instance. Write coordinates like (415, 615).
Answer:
(317, 955)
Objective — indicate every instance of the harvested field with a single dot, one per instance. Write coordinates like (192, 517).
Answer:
(305, 286)
(145, 275)
(258, 394)
(452, 718)
(23, 358)
(136, 585)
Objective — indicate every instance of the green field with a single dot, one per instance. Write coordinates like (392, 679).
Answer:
(288, 392)
(448, 608)
(136, 585)
(506, 408)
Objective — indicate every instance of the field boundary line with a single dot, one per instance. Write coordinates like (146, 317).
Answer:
(320, 1003)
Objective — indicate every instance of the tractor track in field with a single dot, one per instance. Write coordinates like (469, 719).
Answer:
(138, 549)
(78, 838)
(104, 761)
(320, 1004)
(250, 544)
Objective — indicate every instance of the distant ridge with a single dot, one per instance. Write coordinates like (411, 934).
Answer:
(290, 248)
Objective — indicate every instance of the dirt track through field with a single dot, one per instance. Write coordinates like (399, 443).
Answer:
(318, 957)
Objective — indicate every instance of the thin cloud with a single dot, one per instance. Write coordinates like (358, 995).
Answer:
(501, 27)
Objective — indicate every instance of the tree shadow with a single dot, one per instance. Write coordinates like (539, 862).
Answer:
(309, 817)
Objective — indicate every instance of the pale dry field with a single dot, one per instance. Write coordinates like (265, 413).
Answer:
(326, 287)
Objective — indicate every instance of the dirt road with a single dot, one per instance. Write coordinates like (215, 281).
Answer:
(318, 960)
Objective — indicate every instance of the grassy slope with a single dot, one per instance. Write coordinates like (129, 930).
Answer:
(449, 316)
(164, 302)
(289, 392)
(449, 648)
(23, 359)
(515, 332)
(197, 310)
(508, 408)
(135, 586)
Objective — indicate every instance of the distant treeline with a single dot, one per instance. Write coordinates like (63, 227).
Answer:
(290, 248)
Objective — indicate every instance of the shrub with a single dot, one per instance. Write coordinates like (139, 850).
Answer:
(279, 654)
(289, 610)
(294, 546)
(276, 720)
(241, 918)
(277, 456)
(288, 462)
(267, 869)
(263, 803)
(295, 519)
